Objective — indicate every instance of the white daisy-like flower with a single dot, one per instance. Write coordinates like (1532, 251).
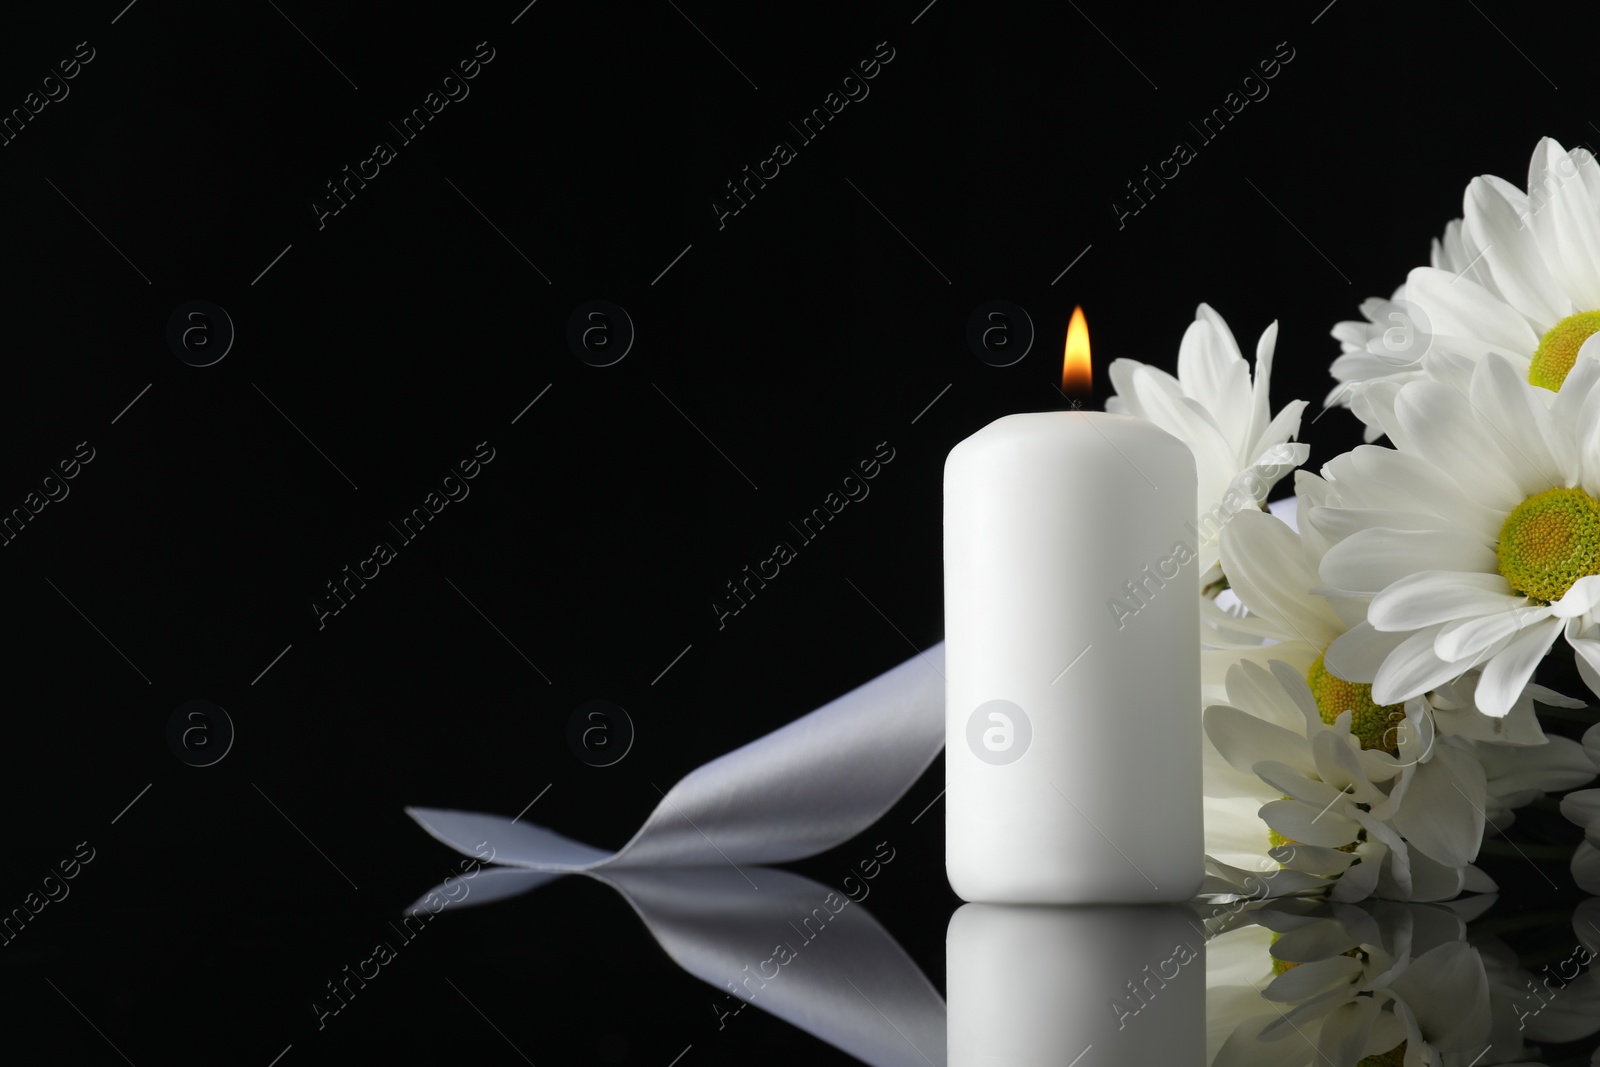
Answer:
(1273, 569)
(1240, 448)
(1383, 984)
(1388, 345)
(1479, 540)
(1337, 798)
(1518, 276)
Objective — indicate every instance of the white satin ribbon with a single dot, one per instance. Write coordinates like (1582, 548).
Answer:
(797, 791)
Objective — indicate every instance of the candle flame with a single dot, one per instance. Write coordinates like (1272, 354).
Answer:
(1077, 374)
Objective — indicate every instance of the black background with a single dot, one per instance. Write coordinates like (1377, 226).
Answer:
(772, 354)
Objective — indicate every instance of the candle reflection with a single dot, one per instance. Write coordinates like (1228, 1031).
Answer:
(1031, 985)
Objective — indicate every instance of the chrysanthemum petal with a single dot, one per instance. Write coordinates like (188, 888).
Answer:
(1244, 740)
(1565, 223)
(1429, 597)
(1443, 816)
(1508, 670)
(1511, 253)
(1358, 653)
(1413, 668)
(1388, 478)
(1302, 822)
(1447, 431)
(1313, 859)
(1431, 880)
(1470, 639)
(1579, 599)
(1461, 309)
(1291, 783)
(1520, 424)
(1215, 374)
(1165, 405)
(1371, 560)
(1267, 569)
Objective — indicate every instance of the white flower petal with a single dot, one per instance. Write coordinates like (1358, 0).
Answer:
(1371, 560)
(1165, 405)
(1302, 822)
(1398, 480)
(1244, 740)
(1261, 395)
(1434, 881)
(1555, 766)
(1359, 882)
(1291, 783)
(1445, 429)
(1313, 859)
(1461, 309)
(1121, 373)
(1267, 569)
(1520, 423)
(1565, 222)
(1292, 683)
(1508, 670)
(1467, 640)
(1462, 719)
(1582, 637)
(1215, 374)
(1511, 252)
(1341, 521)
(1443, 815)
(1429, 597)
(1579, 599)
(1339, 766)
(1357, 654)
(1413, 668)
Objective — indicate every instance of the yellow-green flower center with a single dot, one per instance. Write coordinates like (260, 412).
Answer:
(1395, 1057)
(1558, 349)
(1375, 725)
(1549, 541)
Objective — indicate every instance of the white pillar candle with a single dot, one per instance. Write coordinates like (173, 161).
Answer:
(1029, 986)
(1072, 660)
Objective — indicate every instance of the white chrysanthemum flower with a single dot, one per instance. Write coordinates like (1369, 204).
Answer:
(1272, 569)
(1386, 984)
(1388, 345)
(1518, 276)
(1337, 798)
(1212, 406)
(1480, 538)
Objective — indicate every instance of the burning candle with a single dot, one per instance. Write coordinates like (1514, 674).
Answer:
(1072, 658)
